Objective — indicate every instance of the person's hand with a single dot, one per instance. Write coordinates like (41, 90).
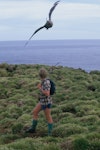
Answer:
(39, 86)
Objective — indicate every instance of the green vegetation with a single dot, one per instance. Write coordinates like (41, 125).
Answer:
(75, 111)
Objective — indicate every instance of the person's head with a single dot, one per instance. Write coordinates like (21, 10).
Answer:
(43, 73)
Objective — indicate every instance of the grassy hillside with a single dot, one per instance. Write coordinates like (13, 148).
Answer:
(75, 111)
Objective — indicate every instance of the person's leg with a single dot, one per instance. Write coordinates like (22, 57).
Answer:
(36, 111)
(47, 112)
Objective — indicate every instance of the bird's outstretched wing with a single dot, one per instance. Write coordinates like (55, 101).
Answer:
(51, 10)
(33, 34)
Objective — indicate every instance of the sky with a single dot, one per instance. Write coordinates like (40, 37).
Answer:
(72, 19)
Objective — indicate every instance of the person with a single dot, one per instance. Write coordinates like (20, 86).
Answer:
(45, 102)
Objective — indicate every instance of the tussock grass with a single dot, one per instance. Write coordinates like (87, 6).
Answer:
(75, 111)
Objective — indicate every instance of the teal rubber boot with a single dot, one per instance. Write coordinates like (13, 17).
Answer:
(32, 129)
(50, 127)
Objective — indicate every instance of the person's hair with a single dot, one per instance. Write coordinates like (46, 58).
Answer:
(43, 73)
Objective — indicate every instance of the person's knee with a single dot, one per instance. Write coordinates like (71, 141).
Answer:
(35, 113)
(36, 110)
(48, 117)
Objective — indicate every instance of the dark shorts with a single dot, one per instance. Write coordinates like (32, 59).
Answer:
(46, 106)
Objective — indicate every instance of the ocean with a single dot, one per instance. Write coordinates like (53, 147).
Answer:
(83, 54)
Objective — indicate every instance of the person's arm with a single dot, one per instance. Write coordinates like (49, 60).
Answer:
(46, 92)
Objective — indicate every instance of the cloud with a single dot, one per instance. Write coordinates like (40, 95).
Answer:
(39, 9)
(24, 16)
(27, 9)
(77, 10)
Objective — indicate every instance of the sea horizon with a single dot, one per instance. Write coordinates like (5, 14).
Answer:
(75, 53)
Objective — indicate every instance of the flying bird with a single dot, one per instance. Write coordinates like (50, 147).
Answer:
(48, 23)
